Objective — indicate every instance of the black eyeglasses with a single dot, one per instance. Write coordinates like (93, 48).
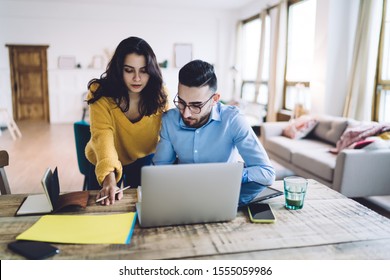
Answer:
(194, 108)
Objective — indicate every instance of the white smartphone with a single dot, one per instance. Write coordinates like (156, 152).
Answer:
(261, 213)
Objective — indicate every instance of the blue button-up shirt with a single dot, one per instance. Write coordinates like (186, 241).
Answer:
(226, 137)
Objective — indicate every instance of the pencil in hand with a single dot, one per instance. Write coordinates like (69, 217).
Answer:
(117, 191)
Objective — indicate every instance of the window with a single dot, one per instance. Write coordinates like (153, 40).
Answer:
(254, 94)
(250, 48)
(300, 49)
(382, 97)
(251, 37)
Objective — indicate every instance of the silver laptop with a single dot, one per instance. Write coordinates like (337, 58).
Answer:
(189, 193)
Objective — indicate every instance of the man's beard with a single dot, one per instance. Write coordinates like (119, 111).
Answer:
(197, 124)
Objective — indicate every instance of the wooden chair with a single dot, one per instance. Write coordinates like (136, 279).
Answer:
(4, 161)
(10, 123)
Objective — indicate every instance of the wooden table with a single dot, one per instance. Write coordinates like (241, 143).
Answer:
(330, 226)
(4, 161)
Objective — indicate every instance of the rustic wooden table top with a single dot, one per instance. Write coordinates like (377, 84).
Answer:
(330, 226)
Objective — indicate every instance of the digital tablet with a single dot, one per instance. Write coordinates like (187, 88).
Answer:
(266, 192)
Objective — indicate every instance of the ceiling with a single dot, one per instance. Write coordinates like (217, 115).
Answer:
(212, 4)
(194, 4)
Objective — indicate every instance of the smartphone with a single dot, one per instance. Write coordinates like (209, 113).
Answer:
(261, 213)
(33, 250)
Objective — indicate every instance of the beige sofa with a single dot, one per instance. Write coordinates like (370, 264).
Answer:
(352, 172)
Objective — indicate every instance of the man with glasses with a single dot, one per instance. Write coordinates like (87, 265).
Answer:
(201, 130)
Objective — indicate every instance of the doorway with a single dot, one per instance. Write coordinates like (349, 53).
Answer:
(30, 94)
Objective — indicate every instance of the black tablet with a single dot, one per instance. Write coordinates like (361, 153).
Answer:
(266, 192)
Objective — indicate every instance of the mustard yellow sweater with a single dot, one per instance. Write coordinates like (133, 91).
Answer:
(115, 140)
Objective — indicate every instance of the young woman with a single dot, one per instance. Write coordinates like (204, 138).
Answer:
(126, 105)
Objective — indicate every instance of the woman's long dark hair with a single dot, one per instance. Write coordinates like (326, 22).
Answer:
(111, 83)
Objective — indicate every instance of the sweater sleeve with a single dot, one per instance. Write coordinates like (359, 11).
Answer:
(102, 150)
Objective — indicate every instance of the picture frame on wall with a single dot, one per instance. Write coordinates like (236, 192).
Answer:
(182, 54)
(66, 62)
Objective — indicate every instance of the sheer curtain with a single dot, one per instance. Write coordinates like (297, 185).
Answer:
(359, 98)
(278, 16)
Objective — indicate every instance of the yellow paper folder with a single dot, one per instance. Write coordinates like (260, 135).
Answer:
(82, 229)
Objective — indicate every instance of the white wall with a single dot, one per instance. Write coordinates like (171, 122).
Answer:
(83, 31)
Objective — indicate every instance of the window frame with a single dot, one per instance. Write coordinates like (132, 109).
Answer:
(380, 83)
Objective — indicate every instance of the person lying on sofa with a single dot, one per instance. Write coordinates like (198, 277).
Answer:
(201, 129)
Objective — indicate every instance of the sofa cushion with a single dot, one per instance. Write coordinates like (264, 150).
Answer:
(280, 146)
(283, 147)
(317, 161)
(330, 129)
(300, 127)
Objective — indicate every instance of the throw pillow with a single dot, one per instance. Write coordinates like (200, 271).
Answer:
(385, 135)
(363, 143)
(300, 127)
(330, 130)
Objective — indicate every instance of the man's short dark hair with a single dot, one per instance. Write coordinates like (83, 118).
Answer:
(198, 73)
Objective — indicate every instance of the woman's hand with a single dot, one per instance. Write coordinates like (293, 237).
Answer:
(109, 188)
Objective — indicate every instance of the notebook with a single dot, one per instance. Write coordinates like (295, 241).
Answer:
(82, 229)
(51, 201)
(188, 193)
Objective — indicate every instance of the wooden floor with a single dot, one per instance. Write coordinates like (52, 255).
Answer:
(42, 145)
